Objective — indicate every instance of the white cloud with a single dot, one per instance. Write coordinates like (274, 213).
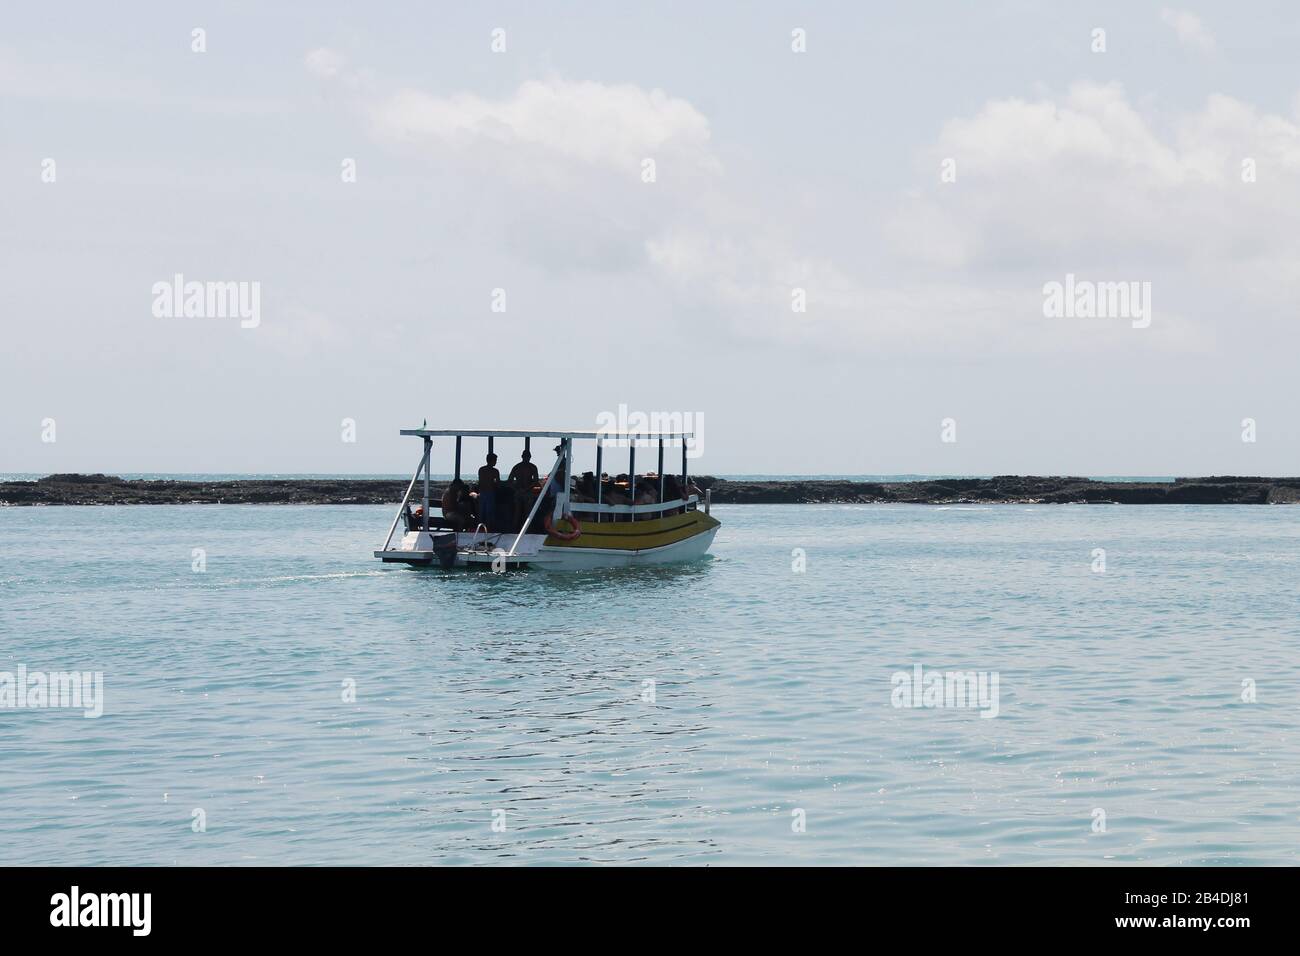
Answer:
(751, 277)
(325, 63)
(1088, 183)
(1084, 182)
(1192, 33)
(601, 124)
(1089, 176)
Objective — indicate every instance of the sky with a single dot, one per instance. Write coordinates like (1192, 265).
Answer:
(823, 231)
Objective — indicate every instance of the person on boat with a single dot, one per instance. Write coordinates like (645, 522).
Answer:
(488, 479)
(456, 505)
(558, 485)
(672, 492)
(505, 508)
(615, 492)
(469, 503)
(647, 493)
(584, 489)
(523, 476)
(559, 482)
(524, 473)
(647, 490)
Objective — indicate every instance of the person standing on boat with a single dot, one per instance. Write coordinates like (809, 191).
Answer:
(522, 478)
(560, 481)
(524, 475)
(488, 479)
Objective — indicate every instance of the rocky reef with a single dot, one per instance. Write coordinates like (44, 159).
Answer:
(1007, 489)
(110, 490)
(1012, 489)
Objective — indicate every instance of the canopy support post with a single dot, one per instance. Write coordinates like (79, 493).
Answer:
(600, 487)
(428, 447)
(685, 487)
(661, 476)
(562, 496)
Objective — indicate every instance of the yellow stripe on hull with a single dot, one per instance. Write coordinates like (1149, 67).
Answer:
(635, 535)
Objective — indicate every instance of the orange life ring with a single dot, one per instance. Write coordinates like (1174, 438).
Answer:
(563, 535)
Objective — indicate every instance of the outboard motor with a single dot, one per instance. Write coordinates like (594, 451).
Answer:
(444, 549)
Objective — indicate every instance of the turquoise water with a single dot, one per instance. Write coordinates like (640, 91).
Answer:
(523, 697)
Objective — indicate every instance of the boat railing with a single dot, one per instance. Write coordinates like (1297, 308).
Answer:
(677, 504)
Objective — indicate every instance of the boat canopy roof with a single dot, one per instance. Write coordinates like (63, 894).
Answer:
(610, 434)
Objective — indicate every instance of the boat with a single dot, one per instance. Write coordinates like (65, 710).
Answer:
(572, 523)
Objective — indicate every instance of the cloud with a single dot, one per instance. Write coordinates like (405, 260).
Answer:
(325, 63)
(607, 125)
(1192, 33)
(1087, 176)
(1199, 203)
(752, 277)
(1083, 182)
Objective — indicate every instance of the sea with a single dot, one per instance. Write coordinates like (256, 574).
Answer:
(1096, 685)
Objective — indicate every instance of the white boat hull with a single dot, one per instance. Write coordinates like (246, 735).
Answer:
(581, 559)
(492, 552)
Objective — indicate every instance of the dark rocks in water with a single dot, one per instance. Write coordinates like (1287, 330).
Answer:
(95, 479)
(109, 490)
(1006, 489)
